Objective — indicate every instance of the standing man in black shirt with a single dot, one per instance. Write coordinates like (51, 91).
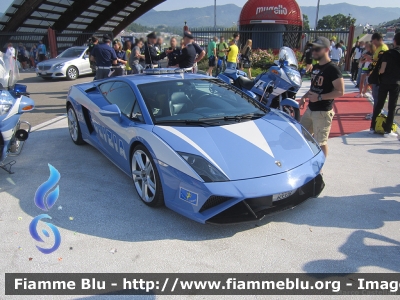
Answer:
(389, 84)
(200, 53)
(307, 54)
(176, 51)
(188, 54)
(152, 58)
(104, 56)
(93, 41)
(326, 85)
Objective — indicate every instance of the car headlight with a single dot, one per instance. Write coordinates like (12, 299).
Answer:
(6, 102)
(311, 142)
(295, 78)
(59, 66)
(201, 166)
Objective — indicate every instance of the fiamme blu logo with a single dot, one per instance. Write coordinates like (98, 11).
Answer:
(45, 198)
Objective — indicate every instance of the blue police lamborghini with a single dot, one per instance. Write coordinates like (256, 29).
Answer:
(197, 145)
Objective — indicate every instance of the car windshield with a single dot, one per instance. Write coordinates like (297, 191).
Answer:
(189, 101)
(71, 52)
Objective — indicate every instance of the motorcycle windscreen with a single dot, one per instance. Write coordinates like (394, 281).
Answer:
(9, 73)
(288, 55)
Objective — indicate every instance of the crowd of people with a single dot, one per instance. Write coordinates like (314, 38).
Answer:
(366, 58)
(337, 54)
(120, 59)
(27, 59)
(375, 55)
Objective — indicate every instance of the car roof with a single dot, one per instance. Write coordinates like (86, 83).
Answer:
(146, 78)
(77, 47)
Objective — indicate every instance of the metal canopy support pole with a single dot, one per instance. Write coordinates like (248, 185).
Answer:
(52, 42)
(215, 14)
(349, 46)
(316, 17)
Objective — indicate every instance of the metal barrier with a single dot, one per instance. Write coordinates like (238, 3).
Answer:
(294, 39)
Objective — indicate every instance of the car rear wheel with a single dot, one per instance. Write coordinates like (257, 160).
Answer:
(72, 73)
(146, 178)
(73, 126)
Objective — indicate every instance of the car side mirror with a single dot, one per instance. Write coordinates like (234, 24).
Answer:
(85, 56)
(111, 111)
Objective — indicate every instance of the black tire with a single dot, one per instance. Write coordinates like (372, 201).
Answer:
(73, 125)
(141, 178)
(72, 73)
(294, 112)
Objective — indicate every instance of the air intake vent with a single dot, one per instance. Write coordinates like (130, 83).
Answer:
(213, 201)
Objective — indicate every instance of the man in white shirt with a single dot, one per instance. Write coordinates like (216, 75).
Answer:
(9, 57)
(10, 53)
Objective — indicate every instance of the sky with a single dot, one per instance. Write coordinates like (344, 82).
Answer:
(177, 4)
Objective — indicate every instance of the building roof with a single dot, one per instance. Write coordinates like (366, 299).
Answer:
(286, 12)
(69, 16)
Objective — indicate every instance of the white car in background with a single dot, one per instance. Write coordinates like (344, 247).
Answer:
(70, 64)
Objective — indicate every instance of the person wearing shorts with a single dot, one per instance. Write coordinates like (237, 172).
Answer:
(326, 85)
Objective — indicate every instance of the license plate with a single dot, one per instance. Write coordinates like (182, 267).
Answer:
(282, 196)
(43, 73)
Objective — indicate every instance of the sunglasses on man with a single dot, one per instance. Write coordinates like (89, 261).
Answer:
(316, 49)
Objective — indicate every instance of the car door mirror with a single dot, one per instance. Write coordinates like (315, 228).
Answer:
(85, 56)
(111, 111)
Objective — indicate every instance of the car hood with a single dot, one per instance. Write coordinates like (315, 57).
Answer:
(249, 149)
(56, 60)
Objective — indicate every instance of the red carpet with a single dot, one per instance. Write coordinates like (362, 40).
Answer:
(350, 115)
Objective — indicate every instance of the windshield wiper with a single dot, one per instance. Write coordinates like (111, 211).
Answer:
(199, 122)
(247, 116)
(235, 118)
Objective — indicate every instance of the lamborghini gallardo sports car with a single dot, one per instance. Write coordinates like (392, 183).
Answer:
(197, 145)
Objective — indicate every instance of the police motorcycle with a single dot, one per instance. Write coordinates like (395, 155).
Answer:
(14, 101)
(276, 88)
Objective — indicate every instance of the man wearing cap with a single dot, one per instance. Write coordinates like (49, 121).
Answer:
(188, 54)
(152, 58)
(326, 85)
(105, 56)
(200, 53)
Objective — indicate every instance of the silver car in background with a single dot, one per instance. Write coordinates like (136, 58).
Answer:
(70, 64)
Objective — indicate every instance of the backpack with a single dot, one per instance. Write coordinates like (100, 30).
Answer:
(379, 123)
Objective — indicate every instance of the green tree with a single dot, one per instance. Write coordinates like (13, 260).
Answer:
(338, 21)
(306, 23)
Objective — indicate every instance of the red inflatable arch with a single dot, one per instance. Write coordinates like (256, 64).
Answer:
(272, 23)
(271, 12)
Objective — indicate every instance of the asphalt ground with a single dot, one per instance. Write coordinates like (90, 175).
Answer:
(49, 96)
(352, 227)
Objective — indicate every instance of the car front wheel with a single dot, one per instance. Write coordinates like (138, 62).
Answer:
(72, 73)
(146, 178)
(73, 126)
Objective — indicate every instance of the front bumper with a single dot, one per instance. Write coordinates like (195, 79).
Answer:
(242, 200)
(253, 209)
(52, 72)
